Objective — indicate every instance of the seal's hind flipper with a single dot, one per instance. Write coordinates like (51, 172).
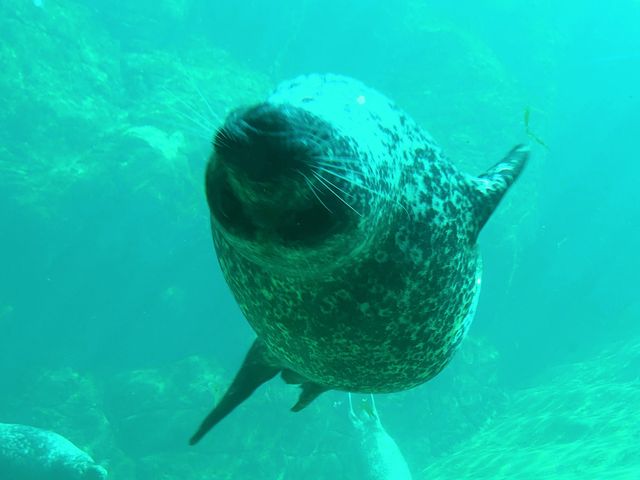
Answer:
(255, 371)
(491, 186)
(310, 391)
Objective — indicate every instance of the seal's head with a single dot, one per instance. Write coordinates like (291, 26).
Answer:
(280, 186)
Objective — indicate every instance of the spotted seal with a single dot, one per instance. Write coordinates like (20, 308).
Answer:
(347, 238)
(29, 453)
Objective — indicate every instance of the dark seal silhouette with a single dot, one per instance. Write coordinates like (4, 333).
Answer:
(347, 239)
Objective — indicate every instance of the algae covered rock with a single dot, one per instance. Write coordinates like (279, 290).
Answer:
(75, 98)
(154, 410)
(60, 75)
(579, 421)
(466, 396)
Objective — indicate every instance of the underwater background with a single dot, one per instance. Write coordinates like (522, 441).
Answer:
(118, 331)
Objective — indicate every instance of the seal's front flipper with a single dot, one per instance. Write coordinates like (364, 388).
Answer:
(490, 187)
(255, 371)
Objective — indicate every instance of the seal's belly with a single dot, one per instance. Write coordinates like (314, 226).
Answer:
(377, 326)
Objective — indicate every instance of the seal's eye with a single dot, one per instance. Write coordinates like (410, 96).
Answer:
(308, 226)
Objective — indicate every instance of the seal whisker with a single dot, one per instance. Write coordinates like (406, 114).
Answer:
(334, 185)
(312, 137)
(327, 184)
(341, 168)
(364, 187)
(357, 181)
(223, 137)
(193, 110)
(214, 115)
(198, 132)
(332, 159)
(199, 114)
(203, 129)
(229, 135)
(313, 190)
(342, 177)
(344, 166)
(339, 163)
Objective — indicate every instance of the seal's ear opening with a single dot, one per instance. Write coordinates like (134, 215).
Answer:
(255, 371)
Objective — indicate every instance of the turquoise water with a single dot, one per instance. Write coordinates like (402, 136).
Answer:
(118, 331)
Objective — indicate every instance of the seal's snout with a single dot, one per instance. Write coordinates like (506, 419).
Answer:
(259, 142)
(264, 180)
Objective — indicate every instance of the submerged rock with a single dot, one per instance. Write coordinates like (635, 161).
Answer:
(151, 410)
(576, 421)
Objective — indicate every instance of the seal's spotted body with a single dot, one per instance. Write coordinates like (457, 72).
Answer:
(355, 263)
(29, 453)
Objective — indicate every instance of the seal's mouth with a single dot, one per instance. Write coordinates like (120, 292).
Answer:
(259, 178)
(289, 224)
